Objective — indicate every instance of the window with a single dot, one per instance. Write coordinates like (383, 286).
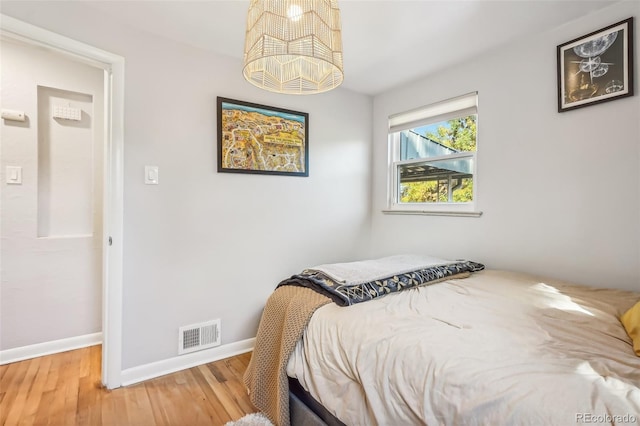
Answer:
(432, 165)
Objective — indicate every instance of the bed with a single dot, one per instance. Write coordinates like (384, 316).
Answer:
(458, 345)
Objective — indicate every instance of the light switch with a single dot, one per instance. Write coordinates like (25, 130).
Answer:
(151, 175)
(14, 175)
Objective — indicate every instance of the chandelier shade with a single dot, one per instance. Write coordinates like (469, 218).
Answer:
(293, 46)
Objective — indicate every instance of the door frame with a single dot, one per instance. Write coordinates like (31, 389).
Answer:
(113, 181)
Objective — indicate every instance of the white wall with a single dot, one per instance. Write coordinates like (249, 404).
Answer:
(560, 193)
(50, 250)
(204, 245)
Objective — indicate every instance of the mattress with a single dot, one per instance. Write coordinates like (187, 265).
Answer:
(495, 348)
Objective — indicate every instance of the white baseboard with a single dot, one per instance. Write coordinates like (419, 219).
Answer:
(48, 348)
(182, 362)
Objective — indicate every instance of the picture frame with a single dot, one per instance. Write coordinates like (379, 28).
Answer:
(596, 67)
(254, 138)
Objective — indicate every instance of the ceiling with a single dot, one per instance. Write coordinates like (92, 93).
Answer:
(386, 43)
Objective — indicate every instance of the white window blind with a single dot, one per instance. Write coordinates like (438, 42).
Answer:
(440, 111)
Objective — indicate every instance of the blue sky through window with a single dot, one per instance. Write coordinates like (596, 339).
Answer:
(431, 128)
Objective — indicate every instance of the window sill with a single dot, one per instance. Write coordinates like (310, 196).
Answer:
(434, 213)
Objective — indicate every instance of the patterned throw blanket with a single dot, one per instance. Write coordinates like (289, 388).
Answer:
(290, 307)
(361, 285)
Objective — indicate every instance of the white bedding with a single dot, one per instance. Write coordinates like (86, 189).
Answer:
(495, 348)
(363, 271)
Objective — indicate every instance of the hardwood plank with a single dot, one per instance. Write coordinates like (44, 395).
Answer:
(215, 371)
(191, 409)
(56, 406)
(52, 378)
(33, 399)
(85, 362)
(8, 371)
(155, 390)
(95, 354)
(89, 408)
(114, 407)
(222, 410)
(197, 394)
(42, 413)
(3, 372)
(11, 389)
(225, 370)
(139, 405)
(239, 394)
(108, 411)
(71, 385)
(233, 383)
(237, 367)
(19, 401)
(168, 394)
(219, 415)
(66, 389)
(229, 403)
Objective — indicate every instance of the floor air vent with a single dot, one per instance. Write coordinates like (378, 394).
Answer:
(200, 336)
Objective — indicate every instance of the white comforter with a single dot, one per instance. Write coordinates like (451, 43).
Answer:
(494, 349)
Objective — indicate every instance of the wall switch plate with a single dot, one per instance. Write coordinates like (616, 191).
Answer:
(14, 175)
(151, 175)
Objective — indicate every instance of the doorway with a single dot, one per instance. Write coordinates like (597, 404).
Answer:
(71, 114)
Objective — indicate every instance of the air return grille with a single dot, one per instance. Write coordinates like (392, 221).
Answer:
(200, 336)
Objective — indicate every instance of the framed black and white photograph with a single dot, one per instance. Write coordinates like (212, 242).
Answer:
(596, 67)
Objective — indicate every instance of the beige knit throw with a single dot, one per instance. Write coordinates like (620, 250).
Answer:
(286, 314)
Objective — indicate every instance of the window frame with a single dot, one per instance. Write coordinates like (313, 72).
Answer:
(434, 113)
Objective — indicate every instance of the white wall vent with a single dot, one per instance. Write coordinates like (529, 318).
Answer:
(196, 337)
(67, 113)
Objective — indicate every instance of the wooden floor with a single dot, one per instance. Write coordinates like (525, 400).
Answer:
(65, 389)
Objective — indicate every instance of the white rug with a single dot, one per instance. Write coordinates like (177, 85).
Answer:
(254, 419)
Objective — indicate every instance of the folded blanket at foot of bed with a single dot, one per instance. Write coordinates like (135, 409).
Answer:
(357, 282)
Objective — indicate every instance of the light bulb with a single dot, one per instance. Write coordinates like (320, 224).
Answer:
(294, 12)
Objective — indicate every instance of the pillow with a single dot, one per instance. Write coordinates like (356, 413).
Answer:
(631, 322)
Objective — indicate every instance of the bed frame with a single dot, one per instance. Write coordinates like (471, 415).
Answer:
(304, 410)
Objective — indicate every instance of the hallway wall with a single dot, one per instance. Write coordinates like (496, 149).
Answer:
(51, 227)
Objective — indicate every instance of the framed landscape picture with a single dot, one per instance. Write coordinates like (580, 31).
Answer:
(596, 67)
(261, 139)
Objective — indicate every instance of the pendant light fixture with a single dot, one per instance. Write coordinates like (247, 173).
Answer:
(293, 46)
